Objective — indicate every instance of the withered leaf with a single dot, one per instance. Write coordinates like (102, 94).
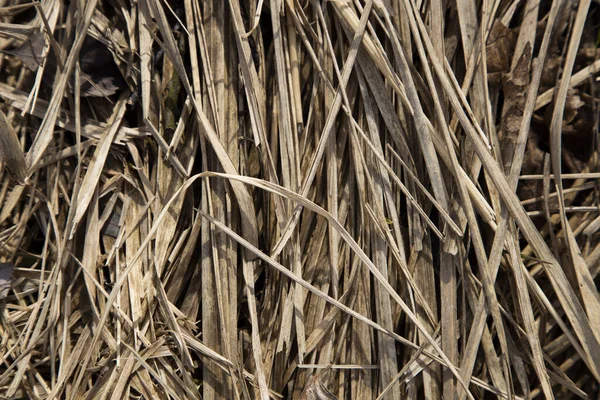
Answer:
(499, 48)
(10, 149)
(31, 51)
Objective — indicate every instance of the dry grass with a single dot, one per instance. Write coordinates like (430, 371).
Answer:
(303, 199)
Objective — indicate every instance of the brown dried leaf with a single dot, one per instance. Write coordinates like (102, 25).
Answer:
(31, 51)
(499, 48)
(10, 149)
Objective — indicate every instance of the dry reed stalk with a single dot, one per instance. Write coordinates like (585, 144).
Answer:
(299, 199)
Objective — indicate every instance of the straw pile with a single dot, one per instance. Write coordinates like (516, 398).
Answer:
(299, 199)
